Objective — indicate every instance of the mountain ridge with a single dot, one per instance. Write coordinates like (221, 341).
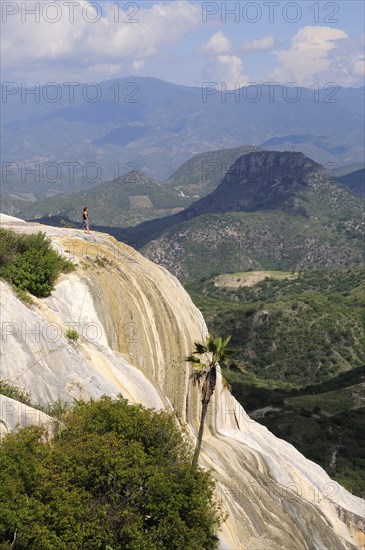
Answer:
(273, 210)
(159, 125)
(354, 181)
(113, 203)
(288, 209)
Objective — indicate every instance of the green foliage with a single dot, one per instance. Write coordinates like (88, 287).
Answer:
(302, 344)
(303, 330)
(24, 296)
(29, 262)
(72, 334)
(14, 392)
(205, 360)
(114, 475)
(57, 409)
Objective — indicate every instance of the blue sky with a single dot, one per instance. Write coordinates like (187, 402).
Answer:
(186, 42)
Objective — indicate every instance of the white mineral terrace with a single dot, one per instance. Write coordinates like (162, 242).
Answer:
(136, 325)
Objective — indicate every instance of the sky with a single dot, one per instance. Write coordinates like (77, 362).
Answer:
(310, 43)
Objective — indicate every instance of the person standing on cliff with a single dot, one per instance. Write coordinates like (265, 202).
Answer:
(85, 220)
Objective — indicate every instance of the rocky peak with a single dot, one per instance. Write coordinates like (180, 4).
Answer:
(259, 180)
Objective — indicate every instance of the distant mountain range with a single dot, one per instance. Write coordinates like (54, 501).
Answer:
(158, 125)
(272, 210)
(135, 197)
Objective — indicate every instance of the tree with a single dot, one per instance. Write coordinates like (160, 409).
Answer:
(113, 475)
(205, 359)
(29, 263)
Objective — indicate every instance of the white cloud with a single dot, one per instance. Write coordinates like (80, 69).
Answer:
(226, 69)
(84, 51)
(347, 62)
(222, 65)
(217, 44)
(105, 46)
(138, 64)
(357, 67)
(261, 44)
(318, 54)
(231, 69)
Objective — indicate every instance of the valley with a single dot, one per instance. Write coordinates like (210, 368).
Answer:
(270, 250)
(300, 341)
(182, 275)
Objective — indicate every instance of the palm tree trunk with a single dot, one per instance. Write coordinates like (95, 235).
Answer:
(200, 434)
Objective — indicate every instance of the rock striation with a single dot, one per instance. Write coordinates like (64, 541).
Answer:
(136, 324)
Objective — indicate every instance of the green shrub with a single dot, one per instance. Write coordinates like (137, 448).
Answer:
(24, 296)
(57, 409)
(29, 262)
(72, 334)
(10, 390)
(114, 475)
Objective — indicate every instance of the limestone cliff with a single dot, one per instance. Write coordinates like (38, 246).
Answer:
(136, 325)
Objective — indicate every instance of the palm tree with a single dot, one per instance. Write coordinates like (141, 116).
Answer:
(205, 359)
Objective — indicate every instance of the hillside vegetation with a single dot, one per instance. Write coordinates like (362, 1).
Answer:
(302, 330)
(202, 174)
(301, 349)
(30, 263)
(113, 475)
(276, 211)
(265, 240)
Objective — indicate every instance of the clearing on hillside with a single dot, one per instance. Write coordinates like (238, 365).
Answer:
(250, 278)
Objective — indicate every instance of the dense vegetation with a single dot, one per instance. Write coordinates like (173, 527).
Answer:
(29, 262)
(324, 421)
(302, 330)
(113, 476)
(301, 348)
(322, 229)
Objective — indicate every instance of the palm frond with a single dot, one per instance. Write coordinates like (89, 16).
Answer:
(192, 359)
(229, 351)
(214, 344)
(196, 375)
(200, 349)
(225, 342)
